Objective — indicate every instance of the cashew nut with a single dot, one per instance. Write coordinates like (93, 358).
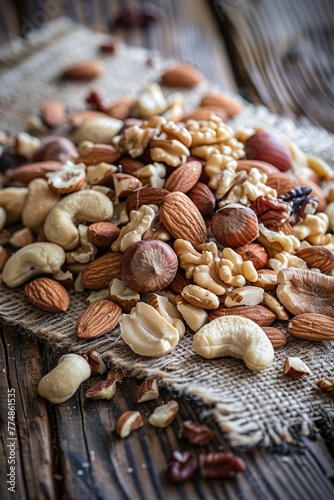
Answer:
(146, 332)
(237, 337)
(12, 200)
(32, 260)
(40, 201)
(82, 206)
(62, 382)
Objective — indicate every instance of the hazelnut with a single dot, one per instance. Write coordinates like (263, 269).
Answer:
(267, 146)
(148, 266)
(55, 148)
(255, 253)
(234, 225)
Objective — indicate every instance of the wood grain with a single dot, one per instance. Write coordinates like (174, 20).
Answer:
(281, 52)
(71, 450)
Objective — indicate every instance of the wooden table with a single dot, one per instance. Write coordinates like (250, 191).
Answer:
(70, 450)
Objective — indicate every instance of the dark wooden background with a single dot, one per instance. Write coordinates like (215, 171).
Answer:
(275, 52)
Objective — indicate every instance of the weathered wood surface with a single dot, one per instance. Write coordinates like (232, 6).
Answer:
(70, 450)
(282, 54)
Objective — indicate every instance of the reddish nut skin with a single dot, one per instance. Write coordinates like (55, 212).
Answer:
(234, 225)
(267, 146)
(221, 465)
(197, 434)
(56, 148)
(204, 199)
(254, 252)
(181, 466)
(148, 266)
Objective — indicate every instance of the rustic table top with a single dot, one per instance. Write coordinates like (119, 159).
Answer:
(70, 450)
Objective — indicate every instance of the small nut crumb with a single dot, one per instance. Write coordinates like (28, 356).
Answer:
(294, 367)
(128, 422)
(164, 415)
(147, 391)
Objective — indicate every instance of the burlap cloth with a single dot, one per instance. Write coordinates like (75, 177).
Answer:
(252, 408)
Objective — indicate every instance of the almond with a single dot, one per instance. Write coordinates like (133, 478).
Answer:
(182, 218)
(259, 314)
(99, 273)
(53, 113)
(228, 103)
(263, 166)
(100, 317)
(99, 153)
(317, 257)
(276, 336)
(31, 171)
(283, 183)
(295, 367)
(184, 177)
(77, 119)
(103, 234)
(48, 295)
(84, 70)
(121, 108)
(145, 196)
(182, 75)
(199, 114)
(311, 326)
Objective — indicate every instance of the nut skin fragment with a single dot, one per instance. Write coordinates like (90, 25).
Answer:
(62, 382)
(128, 422)
(164, 415)
(237, 337)
(83, 206)
(200, 297)
(147, 391)
(220, 465)
(302, 291)
(196, 434)
(148, 266)
(245, 295)
(326, 385)
(311, 326)
(32, 260)
(104, 389)
(181, 466)
(146, 332)
(294, 367)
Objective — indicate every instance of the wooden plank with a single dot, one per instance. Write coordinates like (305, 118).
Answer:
(282, 54)
(21, 370)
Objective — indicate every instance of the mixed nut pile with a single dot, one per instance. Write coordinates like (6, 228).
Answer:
(173, 221)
